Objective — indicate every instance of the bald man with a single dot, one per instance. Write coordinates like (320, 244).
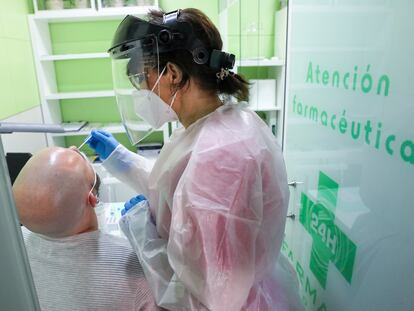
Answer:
(74, 265)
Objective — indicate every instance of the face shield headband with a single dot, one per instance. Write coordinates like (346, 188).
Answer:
(171, 35)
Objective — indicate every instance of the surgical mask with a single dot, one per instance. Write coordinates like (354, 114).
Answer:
(93, 187)
(151, 108)
(96, 177)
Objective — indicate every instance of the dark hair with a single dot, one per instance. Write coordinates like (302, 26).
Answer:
(203, 75)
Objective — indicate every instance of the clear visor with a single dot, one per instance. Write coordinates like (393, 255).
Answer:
(130, 78)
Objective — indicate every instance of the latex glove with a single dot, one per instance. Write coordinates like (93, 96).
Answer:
(132, 203)
(103, 143)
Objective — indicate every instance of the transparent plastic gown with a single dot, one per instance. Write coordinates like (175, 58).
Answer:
(218, 199)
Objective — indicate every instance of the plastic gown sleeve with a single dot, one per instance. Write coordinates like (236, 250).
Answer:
(141, 232)
(168, 290)
(130, 168)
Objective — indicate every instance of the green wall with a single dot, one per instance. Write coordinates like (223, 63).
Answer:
(18, 84)
(250, 33)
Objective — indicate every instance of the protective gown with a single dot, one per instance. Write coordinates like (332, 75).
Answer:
(218, 199)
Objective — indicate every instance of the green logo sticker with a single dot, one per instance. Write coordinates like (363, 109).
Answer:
(330, 244)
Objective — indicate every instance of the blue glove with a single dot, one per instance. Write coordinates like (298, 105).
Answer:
(103, 143)
(131, 203)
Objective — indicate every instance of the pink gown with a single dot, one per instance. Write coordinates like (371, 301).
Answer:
(218, 200)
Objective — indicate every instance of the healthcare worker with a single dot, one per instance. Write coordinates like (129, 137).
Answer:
(217, 195)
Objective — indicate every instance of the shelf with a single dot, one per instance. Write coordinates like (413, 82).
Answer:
(74, 15)
(242, 63)
(114, 128)
(264, 109)
(79, 95)
(123, 11)
(109, 127)
(45, 58)
(110, 181)
(267, 109)
(260, 62)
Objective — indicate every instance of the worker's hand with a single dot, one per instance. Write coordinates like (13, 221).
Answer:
(133, 202)
(103, 143)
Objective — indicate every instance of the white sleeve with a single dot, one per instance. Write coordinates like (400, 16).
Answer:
(130, 168)
(169, 292)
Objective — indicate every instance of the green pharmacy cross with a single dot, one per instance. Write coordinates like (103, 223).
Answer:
(330, 244)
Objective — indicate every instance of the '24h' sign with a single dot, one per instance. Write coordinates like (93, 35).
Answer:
(330, 244)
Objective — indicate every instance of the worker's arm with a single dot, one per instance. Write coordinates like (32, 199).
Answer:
(169, 292)
(129, 167)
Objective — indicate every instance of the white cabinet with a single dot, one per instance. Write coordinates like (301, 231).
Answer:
(256, 33)
(266, 95)
(50, 12)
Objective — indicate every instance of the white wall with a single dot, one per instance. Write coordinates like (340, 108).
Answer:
(24, 142)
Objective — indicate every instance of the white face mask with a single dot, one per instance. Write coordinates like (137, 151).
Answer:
(151, 108)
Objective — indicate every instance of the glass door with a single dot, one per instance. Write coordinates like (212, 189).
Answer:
(349, 149)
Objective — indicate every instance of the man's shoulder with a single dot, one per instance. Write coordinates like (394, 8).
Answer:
(82, 238)
(118, 252)
(95, 244)
(114, 241)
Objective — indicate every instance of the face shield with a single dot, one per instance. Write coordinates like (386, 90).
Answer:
(130, 71)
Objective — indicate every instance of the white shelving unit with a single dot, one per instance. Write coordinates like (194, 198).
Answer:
(51, 58)
(262, 62)
(45, 60)
(267, 95)
(79, 95)
(114, 128)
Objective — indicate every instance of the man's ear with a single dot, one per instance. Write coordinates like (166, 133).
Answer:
(92, 199)
(175, 73)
